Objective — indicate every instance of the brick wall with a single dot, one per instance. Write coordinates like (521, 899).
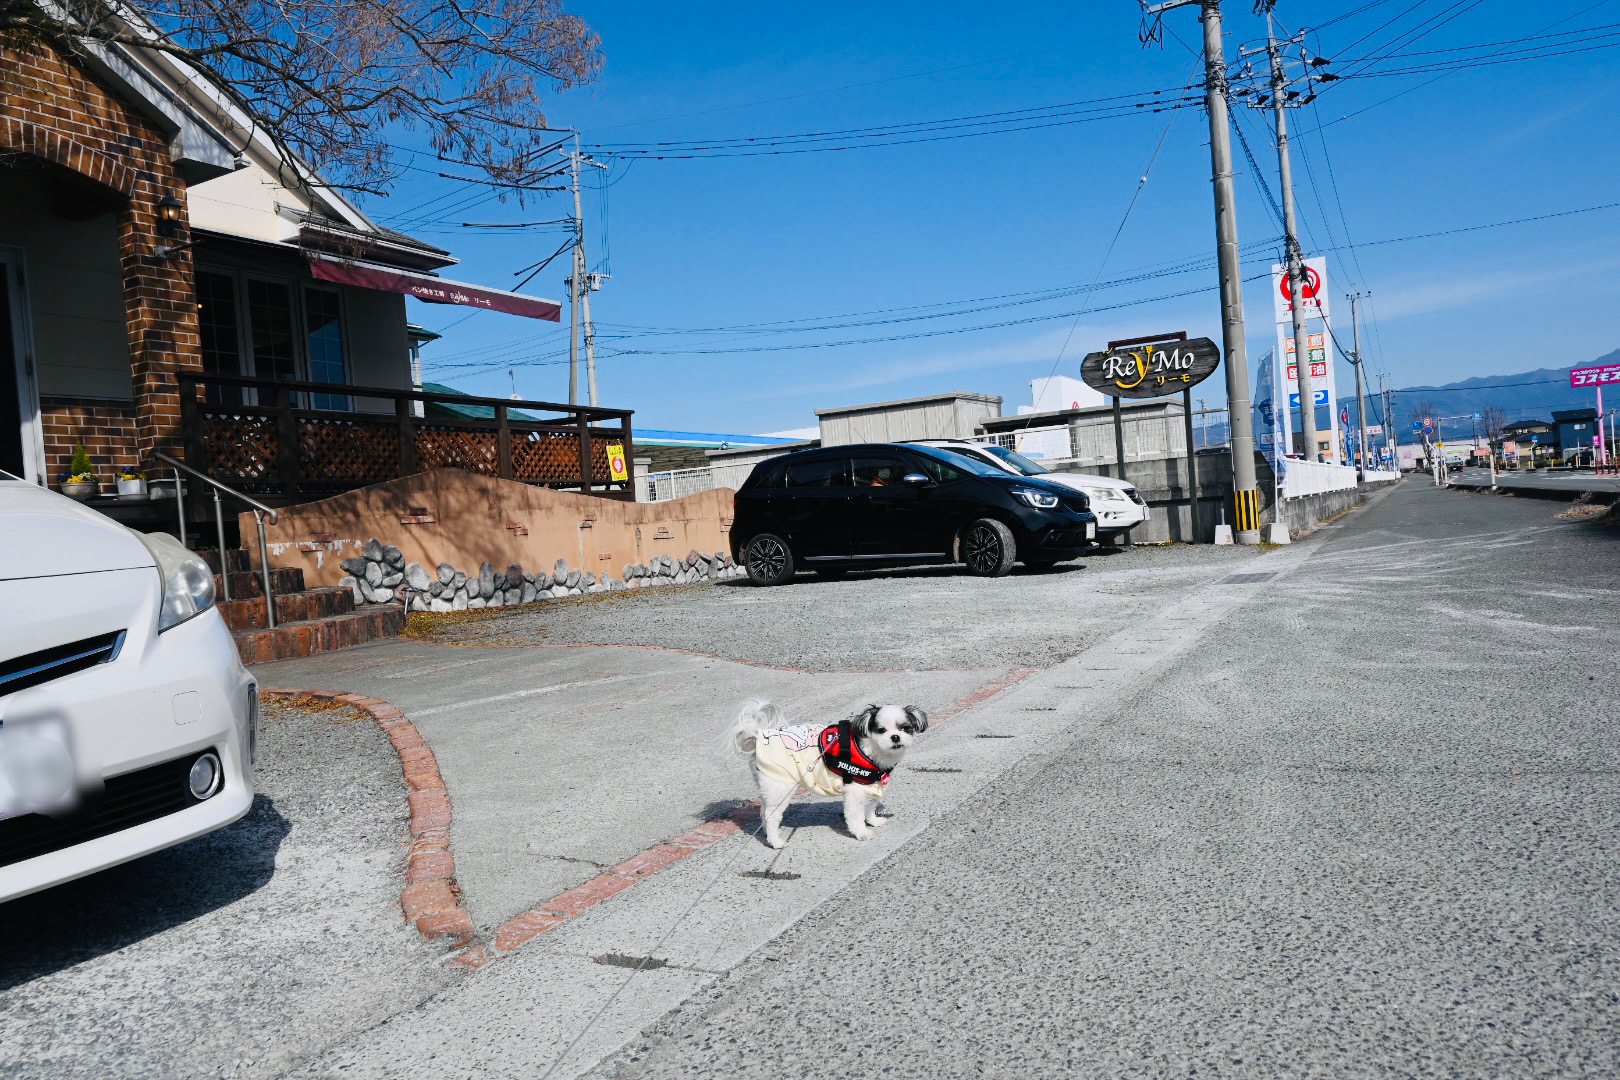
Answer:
(106, 428)
(52, 110)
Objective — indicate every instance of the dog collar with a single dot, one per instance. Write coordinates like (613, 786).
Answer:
(843, 756)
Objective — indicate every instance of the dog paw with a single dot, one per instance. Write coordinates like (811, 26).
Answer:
(775, 842)
(861, 834)
(877, 823)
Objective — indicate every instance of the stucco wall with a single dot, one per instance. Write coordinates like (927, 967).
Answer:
(470, 518)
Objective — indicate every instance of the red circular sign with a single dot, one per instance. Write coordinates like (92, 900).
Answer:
(1312, 285)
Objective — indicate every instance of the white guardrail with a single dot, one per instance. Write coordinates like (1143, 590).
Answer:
(1302, 478)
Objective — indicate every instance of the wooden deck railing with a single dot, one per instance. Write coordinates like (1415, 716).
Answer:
(273, 444)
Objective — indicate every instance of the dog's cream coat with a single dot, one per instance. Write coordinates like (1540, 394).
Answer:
(793, 756)
(786, 758)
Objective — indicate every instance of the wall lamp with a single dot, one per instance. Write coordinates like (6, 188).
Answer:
(169, 224)
(168, 210)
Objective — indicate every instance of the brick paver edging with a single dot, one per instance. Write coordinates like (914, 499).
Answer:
(431, 899)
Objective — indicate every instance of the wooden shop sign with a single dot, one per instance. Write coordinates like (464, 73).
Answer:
(1151, 369)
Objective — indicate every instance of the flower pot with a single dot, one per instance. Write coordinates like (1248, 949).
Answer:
(135, 489)
(80, 489)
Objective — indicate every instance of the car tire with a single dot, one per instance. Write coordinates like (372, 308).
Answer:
(832, 573)
(769, 560)
(988, 549)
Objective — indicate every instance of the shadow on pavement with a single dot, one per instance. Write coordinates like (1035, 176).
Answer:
(80, 920)
(947, 570)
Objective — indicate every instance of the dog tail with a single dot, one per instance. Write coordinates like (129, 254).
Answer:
(753, 716)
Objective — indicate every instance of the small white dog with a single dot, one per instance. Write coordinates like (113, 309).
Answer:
(852, 758)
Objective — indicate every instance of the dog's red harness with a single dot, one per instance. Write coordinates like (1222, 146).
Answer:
(843, 756)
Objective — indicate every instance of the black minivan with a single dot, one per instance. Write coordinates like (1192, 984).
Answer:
(838, 508)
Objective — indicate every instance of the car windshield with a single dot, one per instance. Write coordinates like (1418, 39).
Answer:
(965, 462)
(1016, 460)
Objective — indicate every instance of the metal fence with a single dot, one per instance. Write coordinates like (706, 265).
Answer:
(678, 483)
(1148, 438)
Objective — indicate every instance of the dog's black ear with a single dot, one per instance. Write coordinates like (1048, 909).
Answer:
(918, 718)
(862, 721)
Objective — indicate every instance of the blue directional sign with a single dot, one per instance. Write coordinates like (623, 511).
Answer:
(1321, 397)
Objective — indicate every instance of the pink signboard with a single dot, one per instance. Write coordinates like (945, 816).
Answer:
(1594, 376)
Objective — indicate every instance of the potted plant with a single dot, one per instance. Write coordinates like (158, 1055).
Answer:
(80, 481)
(132, 484)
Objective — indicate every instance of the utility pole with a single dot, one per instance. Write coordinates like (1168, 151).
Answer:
(1296, 259)
(1246, 495)
(580, 286)
(1361, 397)
(576, 281)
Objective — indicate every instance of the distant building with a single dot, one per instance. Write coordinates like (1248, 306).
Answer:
(955, 415)
(1575, 429)
(1058, 392)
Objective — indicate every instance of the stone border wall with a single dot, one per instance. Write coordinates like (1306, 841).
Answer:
(380, 575)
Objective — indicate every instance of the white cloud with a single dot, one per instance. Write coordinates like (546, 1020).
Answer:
(1472, 287)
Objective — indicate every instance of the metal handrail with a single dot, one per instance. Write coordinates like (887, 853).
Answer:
(259, 510)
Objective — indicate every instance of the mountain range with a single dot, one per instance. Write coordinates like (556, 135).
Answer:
(1528, 395)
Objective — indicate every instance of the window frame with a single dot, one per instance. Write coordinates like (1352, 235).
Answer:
(297, 287)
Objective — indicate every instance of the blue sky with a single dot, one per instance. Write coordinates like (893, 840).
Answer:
(727, 242)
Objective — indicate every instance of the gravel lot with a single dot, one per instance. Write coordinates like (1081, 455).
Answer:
(239, 953)
(919, 618)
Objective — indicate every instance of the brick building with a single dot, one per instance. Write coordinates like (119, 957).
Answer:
(155, 247)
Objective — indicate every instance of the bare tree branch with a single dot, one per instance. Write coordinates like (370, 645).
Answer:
(333, 81)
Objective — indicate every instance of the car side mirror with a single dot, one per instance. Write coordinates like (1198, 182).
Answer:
(915, 479)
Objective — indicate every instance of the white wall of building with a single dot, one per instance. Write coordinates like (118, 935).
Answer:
(1060, 392)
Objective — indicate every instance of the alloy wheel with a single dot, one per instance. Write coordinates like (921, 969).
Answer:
(767, 558)
(983, 549)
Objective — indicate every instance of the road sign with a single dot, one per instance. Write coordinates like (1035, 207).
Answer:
(1151, 370)
(1314, 292)
(1320, 396)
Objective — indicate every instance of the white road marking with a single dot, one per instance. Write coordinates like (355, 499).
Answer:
(531, 692)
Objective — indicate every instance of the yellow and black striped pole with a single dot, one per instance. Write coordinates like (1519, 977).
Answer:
(1247, 514)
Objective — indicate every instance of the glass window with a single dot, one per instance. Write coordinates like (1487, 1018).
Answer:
(270, 319)
(1015, 459)
(822, 472)
(962, 463)
(220, 332)
(942, 469)
(323, 320)
(768, 475)
(872, 472)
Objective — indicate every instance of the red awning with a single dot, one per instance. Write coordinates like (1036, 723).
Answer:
(434, 290)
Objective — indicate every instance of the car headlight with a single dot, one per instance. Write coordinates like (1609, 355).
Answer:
(188, 583)
(1043, 500)
(1103, 495)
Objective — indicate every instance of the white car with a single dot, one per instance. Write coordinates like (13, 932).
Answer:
(127, 722)
(1117, 504)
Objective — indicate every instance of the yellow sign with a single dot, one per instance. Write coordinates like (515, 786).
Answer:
(616, 464)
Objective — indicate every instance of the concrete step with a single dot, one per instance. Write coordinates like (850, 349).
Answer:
(312, 636)
(247, 585)
(317, 603)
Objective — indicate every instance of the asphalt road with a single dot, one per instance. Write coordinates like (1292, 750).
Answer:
(1318, 843)
(1574, 481)
(243, 953)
